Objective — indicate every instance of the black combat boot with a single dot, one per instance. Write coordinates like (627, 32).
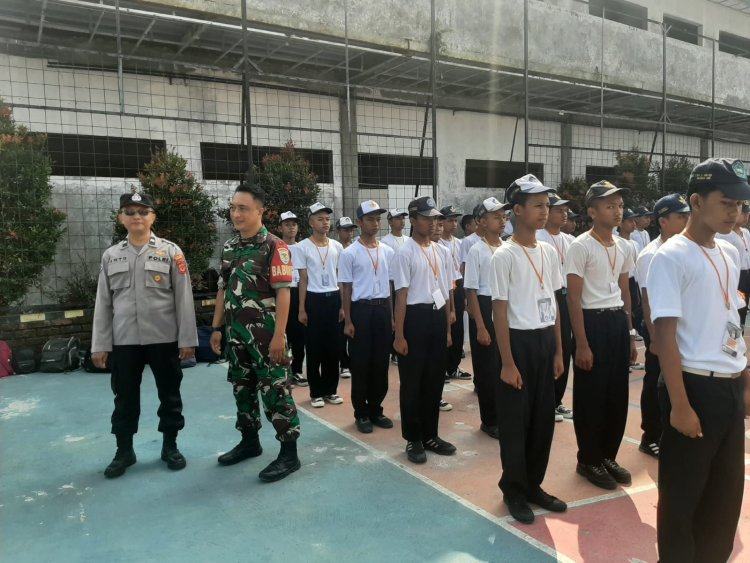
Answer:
(169, 452)
(286, 463)
(249, 446)
(124, 458)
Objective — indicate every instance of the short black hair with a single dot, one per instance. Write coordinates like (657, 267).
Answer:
(520, 198)
(465, 220)
(254, 191)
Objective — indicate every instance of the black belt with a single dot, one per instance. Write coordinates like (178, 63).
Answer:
(324, 294)
(604, 310)
(374, 302)
(426, 306)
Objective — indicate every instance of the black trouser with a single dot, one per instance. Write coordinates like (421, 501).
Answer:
(370, 349)
(650, 417)
(127, 372)
(486, 360)
(744, 287)
(526, 416)
(457, 329)
(344, 344)
(600, 396)
(295, 332)
(636, 307)
(322, 342)
(566, 336)
(701, 480)
(422, 371)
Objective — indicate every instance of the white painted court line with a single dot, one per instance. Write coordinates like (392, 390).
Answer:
(503, 523)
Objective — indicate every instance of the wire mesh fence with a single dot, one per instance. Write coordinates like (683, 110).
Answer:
(112, 89)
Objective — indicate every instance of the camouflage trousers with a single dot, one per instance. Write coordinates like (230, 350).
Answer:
(250, 372)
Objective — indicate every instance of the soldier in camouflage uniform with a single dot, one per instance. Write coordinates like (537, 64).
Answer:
(256, 272)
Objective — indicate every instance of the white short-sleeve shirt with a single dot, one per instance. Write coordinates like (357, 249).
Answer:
(413, 269)
(321, 264)
(477, 269)
(357, 267)
(513, 279)
(295, 271)
(742, 244)
(561, 243)
(466, 245)
(589, 259)
(454, 248)
(682, 283)
(644, 261)
(393, 241)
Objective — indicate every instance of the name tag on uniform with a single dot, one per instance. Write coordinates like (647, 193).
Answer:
(326, 279)
(730, 344)
(376, 288)
(437, 297)
(546, 313)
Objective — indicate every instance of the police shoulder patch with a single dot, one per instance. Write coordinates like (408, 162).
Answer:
(179, 259)
(284, 255)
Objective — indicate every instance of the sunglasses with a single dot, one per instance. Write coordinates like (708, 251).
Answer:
(141, 212)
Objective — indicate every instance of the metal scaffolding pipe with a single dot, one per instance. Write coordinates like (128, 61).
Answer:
(526, 84)
(246, 101)
(120, 80)
(433, 80)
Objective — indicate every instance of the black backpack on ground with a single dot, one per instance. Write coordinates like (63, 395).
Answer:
(24, 360)
(60, 354)
(84, 356)
(203, 352)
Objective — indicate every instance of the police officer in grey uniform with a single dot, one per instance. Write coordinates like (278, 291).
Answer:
(144, 314)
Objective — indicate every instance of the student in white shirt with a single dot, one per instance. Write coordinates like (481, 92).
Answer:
(345, 232)
(365, 274)
(642, 222)
(470, 240)
(671, 214)
(739, 236)
(597, 269)
(702, 353)
(468, 224)
(317, 259)
(453, 275)
(627, 232)
(525, 275)
(552, 234)
(295, 331)
(453, 245)
(396, 222)
(423, 284)
(484, 352)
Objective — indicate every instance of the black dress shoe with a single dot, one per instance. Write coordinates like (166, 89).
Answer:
(248, 447)
(597, 475)
(381, 421)
(123, 459)
(415, 452)
(620, 474)
(439, 446)
(364, 425)
(491, 431)
(547, 501)
(175, 460)
(284, 465)
(519, 510)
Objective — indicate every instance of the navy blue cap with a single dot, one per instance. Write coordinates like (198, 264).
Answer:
(136, 199)
(672, 203)
(476, 211)
(451, 211)
(369, 206)
(424, 206)
(602, 189)
(727, 175)
(393, 213)
(555, 200)
(572, 215)
(629, 214)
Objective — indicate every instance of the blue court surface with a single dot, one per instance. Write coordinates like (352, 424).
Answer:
(347, 503)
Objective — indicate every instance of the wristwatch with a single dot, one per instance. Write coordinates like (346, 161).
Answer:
(633, 333)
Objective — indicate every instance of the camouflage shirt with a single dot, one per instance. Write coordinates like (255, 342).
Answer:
(251, 270)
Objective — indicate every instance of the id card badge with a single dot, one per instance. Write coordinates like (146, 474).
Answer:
(326, 279)
(730, 344)
(546, 312)
(376, 288)
(437, 297)
(614, 287)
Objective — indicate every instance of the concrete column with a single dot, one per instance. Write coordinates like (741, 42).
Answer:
(705, 149)
(349, 166)
(566, 152)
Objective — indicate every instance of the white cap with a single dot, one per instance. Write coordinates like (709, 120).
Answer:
(345, 223)
(287, 215)
(368, 206)
(317, 207)
(490, 205)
